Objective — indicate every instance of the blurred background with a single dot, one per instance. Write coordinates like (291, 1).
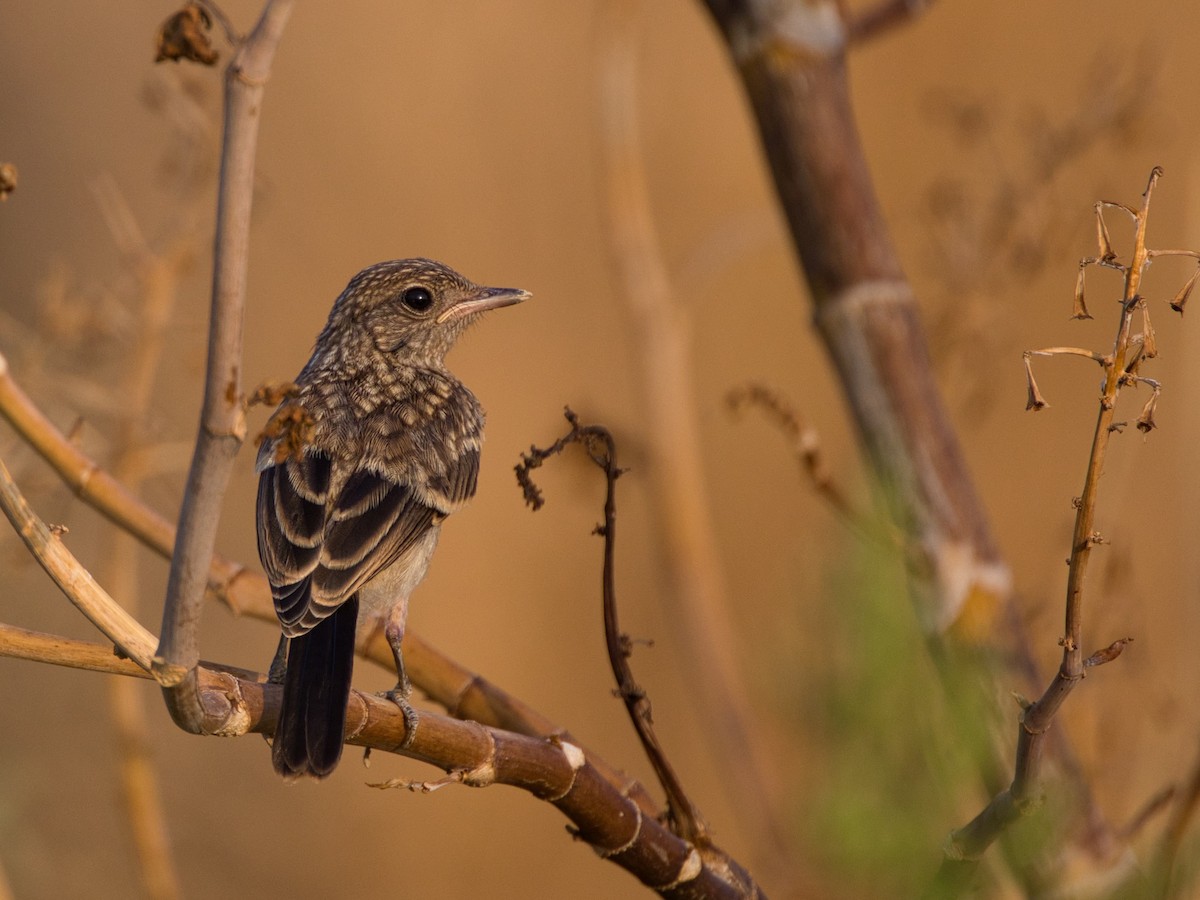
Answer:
(472, 133)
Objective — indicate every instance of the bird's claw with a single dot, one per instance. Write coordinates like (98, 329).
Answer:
(399, 695)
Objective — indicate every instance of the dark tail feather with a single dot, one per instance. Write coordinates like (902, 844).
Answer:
(312, 717)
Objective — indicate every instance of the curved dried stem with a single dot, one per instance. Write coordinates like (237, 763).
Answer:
(46, 546)
(683, 813)
(675, 470)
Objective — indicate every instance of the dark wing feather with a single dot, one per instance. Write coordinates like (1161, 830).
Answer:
(318, 548)
(357, 549)
(289, 528)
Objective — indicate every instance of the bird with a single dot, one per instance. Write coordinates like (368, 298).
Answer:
(374, 444)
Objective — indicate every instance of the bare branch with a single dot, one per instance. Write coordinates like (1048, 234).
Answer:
(967, 844)
(463, 692)
(691, 560)
(222, 427)
(684, 815)
(36, 646)
(46, 546)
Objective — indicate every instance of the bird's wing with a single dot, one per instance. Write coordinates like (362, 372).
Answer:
(320, 546)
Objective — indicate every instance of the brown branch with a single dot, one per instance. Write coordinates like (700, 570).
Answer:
(967, 845)
(794, 72)
(45, 545)
(55, 650)
(684, 816)
(695, 583)
(82, 474)
(806, 446)
(551, 769)
(222, 420)
(465, 694)
(37, 646)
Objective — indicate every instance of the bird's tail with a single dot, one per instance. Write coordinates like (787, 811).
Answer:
(312, 717)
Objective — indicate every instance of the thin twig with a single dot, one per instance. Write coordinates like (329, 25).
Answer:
(685, 817)
(46, 546)
(806, 446)
(675, 469)
(36, 646)
(55, 650)
(967, 845)
(464, 693)
(222, 427)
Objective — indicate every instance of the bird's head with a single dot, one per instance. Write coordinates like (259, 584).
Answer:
(410, 310)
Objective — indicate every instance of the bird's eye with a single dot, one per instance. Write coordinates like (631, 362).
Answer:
(417, 299)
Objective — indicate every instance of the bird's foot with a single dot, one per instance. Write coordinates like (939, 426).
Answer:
(399, 695)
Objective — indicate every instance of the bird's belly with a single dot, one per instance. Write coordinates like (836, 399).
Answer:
(391, 587)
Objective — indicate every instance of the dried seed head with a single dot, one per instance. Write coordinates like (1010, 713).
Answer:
(1106, 250)
(1149, 346)
(1184, 292)
(1034, 400)
(1080, 310)
(1145, 421)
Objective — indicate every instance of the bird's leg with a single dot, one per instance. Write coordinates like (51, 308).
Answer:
(278, 670)
(394, 632)
(279, 663)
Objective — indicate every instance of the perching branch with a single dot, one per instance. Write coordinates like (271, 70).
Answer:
(462, 692)
(222, 420)
(604, 814)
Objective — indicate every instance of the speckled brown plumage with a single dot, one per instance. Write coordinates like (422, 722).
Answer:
(358, 469)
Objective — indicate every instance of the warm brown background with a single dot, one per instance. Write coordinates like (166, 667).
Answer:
(469, 132)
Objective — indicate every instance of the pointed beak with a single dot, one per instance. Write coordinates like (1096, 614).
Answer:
(485, 299)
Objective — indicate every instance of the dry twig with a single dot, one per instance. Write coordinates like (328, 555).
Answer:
(683, 814)
(675, 469)
(465, 694)
(966, 845)
(222, 427)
